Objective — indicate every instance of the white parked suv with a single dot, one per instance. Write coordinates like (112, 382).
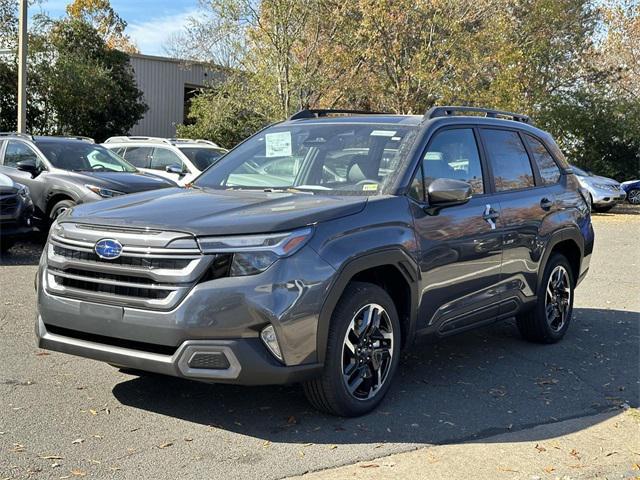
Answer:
(179, 159)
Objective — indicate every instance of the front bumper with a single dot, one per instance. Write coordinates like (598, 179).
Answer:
(603, 197)
(242, 361)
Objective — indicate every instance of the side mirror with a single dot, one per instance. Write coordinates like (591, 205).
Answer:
(28, 166)
(174, 169)
(445, 192)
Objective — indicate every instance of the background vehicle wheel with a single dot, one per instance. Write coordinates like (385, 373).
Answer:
(634, 196)
(363, 351)
(603, 209)
(60, 207)
(549, 320)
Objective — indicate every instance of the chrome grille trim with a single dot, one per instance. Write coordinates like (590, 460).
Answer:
(74, 270)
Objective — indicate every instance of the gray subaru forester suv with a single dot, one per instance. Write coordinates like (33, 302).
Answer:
(321, 247)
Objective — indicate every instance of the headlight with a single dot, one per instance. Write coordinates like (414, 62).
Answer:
(253, 254)
(104, 192)
(23, 190)
(603, 186)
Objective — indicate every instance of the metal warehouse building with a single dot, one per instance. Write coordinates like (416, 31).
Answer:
(168, 85)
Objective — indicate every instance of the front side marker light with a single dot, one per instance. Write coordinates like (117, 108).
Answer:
(268, 336)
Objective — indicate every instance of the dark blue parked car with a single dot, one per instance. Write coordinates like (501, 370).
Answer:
(632, 188)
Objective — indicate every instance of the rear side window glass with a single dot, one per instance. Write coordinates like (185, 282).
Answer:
(138, 156)
(18, 152)
(454, 154)
(549, 171)
(509, 160)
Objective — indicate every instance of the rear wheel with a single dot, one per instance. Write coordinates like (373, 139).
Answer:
(549, 320)
(634, 196)
(362, 355)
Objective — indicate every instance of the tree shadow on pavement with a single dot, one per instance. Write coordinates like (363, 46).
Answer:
(467, 387)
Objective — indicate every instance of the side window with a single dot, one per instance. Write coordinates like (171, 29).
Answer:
(163, 158)
(119, 151)
(549, 171)
(508, 158)
(138, 156)
(18, 152)
(454, 154)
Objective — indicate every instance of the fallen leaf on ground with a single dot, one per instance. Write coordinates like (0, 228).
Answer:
(549, 469)
(78, 441)
(165, 445)
(93, 412)
(78, 473)
(52, 457)
(507, 469)
(370, 465)
(333, 447)
(540, 448)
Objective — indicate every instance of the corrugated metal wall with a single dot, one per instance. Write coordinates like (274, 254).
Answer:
(163, 80)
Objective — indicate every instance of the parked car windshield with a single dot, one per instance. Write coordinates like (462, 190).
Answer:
(202, 157)
(344, 158)
(81, 156)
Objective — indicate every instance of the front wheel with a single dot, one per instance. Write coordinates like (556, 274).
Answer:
(59, 208)
(363, 350)
(634, 196)
(549, 320)
(602, 209)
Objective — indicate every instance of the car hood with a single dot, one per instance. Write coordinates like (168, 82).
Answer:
(598, 179)
(125, 182)
(216, 212)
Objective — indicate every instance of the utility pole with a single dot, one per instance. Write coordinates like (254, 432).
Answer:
(22, 68)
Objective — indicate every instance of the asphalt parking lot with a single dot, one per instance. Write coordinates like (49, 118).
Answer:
(66, 417)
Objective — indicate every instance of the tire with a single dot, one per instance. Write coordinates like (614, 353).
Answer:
(329, 392)
(59, 208)
(633, 197)
(535, 325)
(604, 209)
(6, 244)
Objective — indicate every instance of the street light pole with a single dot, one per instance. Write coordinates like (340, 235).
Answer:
(22, 68)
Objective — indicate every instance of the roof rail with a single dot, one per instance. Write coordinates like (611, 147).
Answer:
(317, 113)
(192, 140)
(124, 139)
(16, 134)
(447, 111)
(80, 137)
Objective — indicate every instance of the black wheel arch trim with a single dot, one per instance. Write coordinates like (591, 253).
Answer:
(395, 257)
(561, 235)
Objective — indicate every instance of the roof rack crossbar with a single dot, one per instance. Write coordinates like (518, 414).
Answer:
(16, 134)
(323, 112)
(451, 110)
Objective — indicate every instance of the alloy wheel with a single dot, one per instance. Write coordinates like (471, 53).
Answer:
(634, 197)
(367, 351)
(558, 298)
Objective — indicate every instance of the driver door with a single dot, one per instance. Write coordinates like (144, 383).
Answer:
(162, 158)
(460, 246)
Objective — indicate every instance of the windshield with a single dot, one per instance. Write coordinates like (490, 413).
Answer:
(80, 156)
(202, 157)
(345, 158)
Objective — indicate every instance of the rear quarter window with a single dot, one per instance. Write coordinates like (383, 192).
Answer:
(547, 166)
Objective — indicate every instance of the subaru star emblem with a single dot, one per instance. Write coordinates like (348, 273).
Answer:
(108, 248)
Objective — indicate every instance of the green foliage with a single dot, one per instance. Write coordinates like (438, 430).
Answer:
(76, 84)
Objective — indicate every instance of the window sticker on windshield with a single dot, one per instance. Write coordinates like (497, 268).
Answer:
(382, 133)
(277, 144)
(370, 187)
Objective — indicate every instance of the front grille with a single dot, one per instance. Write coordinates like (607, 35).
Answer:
(141, 262)
(209, 361)
(147, 274)
(123, 291)
(8, 204)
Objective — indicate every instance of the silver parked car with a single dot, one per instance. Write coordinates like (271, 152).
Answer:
(605, 192)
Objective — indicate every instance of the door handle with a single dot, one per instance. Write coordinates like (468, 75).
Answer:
(546, 204)
(490, 215)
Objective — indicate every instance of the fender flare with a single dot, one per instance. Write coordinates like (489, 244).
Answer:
(567, 233)
(395, 257)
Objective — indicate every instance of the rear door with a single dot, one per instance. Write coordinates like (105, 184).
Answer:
(525, 201)
(460, 246)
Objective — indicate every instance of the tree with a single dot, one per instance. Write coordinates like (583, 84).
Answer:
(101, 15)
(77, 85)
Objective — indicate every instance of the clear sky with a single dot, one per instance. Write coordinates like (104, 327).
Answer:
(150, 22)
